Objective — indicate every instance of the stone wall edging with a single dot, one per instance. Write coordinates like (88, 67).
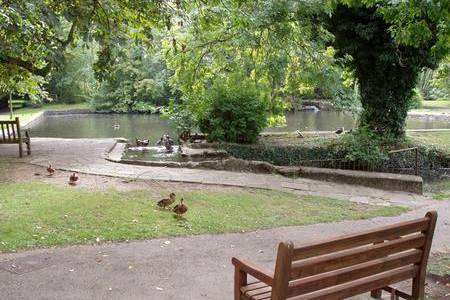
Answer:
(385, 181)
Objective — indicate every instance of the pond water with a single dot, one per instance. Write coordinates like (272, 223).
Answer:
(153, 127)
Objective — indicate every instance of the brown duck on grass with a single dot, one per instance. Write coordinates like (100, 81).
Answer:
(73, 179)
(180, 209)
(50, 170)
(167, 201)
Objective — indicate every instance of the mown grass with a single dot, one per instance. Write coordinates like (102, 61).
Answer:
(28, 113)
(440, 190)
(440, 140)
(437, 104)
(440, 265)
(36, 214)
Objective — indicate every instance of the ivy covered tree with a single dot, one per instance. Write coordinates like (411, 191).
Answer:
(389, 44)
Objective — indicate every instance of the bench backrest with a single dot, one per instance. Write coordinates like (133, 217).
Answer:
(355, 263)
(10, 131)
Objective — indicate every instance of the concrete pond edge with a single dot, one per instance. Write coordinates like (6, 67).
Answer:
(384, 181)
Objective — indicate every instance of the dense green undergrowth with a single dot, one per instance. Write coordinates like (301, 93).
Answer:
(360, 149)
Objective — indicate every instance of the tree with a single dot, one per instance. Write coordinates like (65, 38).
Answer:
(138, 80)
(279, 45)
(34, 34)
(389, 43)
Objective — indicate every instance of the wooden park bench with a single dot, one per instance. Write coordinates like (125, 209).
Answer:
(11, 134)
(346, 266)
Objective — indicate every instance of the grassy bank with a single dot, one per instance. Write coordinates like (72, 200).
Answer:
(439, 190)
(37, 214)
(438, 104)
(440, 140)
(28, 113)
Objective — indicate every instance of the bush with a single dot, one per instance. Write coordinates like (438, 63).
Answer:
(233, 112)
(363, 146)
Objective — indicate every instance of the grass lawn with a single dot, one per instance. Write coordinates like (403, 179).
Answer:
(35, 214)
(440, 264)
(440, 190)
(28, 113)
(440, 140)
(438, 104)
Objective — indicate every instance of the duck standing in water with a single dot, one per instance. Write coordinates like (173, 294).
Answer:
(339, 130)
(73, 179)
(167, 201)
(180, 209)
(142, 143)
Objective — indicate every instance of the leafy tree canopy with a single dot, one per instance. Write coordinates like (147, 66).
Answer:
(35, 33)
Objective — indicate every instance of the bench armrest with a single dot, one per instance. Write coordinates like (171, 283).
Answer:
(251, 269)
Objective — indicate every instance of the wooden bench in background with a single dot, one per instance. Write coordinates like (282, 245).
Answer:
(346, 266)
(11, 134)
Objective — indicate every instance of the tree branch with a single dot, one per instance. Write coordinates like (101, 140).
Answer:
(25, 65)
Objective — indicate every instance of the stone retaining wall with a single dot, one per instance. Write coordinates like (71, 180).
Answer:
(385, 181)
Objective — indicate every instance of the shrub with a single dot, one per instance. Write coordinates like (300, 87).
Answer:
(363, 146)
(234, 111)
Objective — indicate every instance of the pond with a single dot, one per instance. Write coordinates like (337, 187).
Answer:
(152, 126)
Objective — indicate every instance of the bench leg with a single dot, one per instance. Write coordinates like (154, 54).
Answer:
(28, 148)
(376, 294)
(240, 279)
(28, 143)
(418, 288)
(20, 149)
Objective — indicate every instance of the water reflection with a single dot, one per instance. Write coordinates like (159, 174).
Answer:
(152, 127)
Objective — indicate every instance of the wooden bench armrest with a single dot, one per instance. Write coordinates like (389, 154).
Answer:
(253, 270)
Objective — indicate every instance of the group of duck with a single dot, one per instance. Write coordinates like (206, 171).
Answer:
(338, 131)
(165, 141)
(73, 178)
(179, 209)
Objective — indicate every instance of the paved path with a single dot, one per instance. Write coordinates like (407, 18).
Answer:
(87, 156)
(195, 267)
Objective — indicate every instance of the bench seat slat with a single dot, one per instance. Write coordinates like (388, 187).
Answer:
(333, 261)
(253, 286)
(361, 238)
(259, 291)
(362, 285)
(266, 296)
(256, 291)
(325, 280)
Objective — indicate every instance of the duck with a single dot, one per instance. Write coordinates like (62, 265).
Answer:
(142, 143)
(167, 201)
(116, 126)
(50, 170)
(299, 134)
(339, 130)
(73, 179)
(180, 209)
